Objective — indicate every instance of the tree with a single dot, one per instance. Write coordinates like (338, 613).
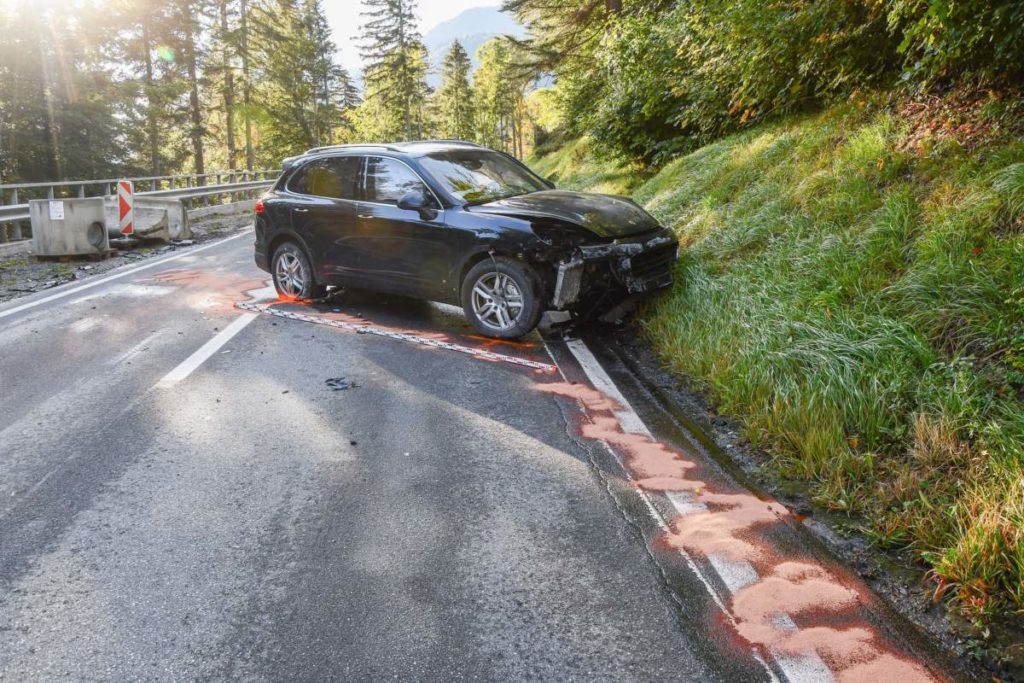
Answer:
(302, 94)
(563, 30)
(395, 64)
(59, 101)
(454, 99)
(501, 112)
(225, 38)
(243, 47)
(188, 23)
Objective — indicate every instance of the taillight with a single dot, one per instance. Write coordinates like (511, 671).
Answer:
(259, 208)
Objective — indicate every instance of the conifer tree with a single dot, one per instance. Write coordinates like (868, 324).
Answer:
(301, 95)
(188, 22)
(395, 64)
(227, 42)
(454, 98)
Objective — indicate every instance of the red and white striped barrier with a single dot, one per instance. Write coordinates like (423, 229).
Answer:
(126, 207)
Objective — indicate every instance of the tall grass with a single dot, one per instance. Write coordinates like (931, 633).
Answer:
(861, 308)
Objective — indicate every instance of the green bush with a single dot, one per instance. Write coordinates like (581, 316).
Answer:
(662, 82)
(946, 39)
(667, 77)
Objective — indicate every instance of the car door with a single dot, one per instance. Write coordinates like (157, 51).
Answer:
(400, 250)
(324, 210)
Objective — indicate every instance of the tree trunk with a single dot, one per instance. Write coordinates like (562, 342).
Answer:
(151, 105)
(229, 89)
(189, 48)
(613, 6)
(246, 89)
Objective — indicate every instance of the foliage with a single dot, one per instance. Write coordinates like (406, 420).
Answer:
(655, 79)
(301, 95)
(454, 99)
(859, 306)
(57, 103)
(131, 87)
(500, 106)
(395, 68)
(666, 80)
(945, 38)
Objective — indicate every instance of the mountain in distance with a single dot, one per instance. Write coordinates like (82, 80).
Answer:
(472, 28)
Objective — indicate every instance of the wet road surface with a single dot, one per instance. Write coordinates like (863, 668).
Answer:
(185, 496)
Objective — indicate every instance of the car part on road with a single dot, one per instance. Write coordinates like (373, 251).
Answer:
(293, 274)
(499, 298)
(340, 384)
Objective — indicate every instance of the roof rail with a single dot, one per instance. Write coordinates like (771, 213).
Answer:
(456, 140)
(393, 147)
(327, 148)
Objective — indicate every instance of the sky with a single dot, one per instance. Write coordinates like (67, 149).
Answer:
(343, 16)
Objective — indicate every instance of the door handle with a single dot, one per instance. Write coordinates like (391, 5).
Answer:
(365, 216)
(301, 210)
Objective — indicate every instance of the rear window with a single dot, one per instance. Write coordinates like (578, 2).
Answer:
(334, 178)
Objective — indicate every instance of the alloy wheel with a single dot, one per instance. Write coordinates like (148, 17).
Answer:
(291, 275)
(497, 301)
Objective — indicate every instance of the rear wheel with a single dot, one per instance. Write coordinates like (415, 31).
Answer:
(501, 298)
(293, 274)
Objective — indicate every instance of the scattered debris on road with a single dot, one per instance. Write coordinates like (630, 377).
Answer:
(340, 384)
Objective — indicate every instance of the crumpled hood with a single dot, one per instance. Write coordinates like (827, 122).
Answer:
(602, 214)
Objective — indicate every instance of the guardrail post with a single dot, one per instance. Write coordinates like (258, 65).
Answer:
(3, 229)
(81, 191)
(49, 192)
(16, 226)
(106, 190)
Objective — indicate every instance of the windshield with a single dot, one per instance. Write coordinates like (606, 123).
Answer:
(478, 176)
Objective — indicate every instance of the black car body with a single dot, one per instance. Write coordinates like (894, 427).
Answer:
(417, 218)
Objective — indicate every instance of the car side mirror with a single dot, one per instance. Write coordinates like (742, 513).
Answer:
(413, 201)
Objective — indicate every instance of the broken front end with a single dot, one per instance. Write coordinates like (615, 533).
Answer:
(600, 279)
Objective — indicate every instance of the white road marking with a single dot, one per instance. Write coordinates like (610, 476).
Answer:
(806, 668)
(75, 289)
(628, 419)
(211, 347)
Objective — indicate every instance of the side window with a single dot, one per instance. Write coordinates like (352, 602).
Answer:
(335, 178)
(297, 183)
(388, 180)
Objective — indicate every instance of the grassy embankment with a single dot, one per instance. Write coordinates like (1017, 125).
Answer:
(852, 288)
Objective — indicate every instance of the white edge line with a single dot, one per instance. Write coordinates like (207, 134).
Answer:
(74, 289)
(806, 668)
(187, 366)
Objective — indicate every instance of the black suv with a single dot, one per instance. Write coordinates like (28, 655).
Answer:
(457, 223)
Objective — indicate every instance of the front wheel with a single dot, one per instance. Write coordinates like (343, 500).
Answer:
(501, 298)
(293, 274)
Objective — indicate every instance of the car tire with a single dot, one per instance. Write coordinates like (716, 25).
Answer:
(293, 274)
(501, 298)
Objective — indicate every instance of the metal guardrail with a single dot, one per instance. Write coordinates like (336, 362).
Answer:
(193, 187)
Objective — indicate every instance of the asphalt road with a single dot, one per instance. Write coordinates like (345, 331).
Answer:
(185, 496)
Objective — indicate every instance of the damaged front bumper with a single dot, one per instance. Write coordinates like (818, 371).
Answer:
(637, 266)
